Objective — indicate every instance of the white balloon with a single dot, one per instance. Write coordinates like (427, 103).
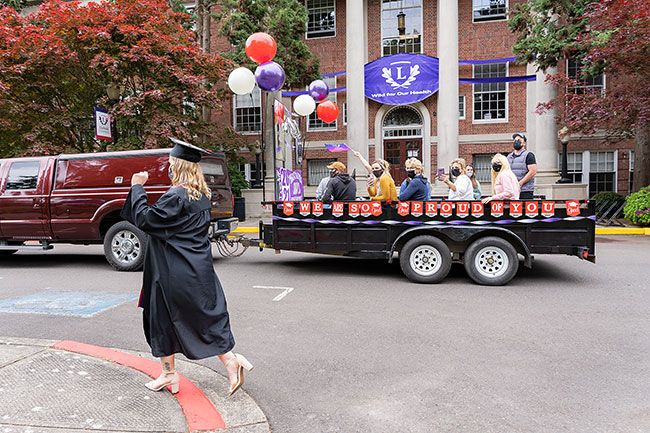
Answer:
(304, 105)
(241, 81)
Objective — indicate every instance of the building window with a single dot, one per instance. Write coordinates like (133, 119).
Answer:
(489, 10)
(583, 83)
(401, 26)
(574, 166)
(482, 167)
(321, 18)
(345, 113)
(402, 122)
(247, 112)
(461, 107)
(317, 170)
(315, 124)
(602, 172)
(631, 186)
(23, 175)
(491, 99)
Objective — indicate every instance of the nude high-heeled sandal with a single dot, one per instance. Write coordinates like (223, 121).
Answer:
(242, 363)
(166, 378)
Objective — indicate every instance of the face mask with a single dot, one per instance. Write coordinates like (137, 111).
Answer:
(170, 173)
(410, 173)
(496, 167)
(333, 173)
(469, 173)
(455, 172)
(378, 173)
(517, 145)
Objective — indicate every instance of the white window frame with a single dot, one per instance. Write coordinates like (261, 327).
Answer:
(332, 97)
(582, 162)
(381, 29)
(586, 167)
(488, 121)
(234, 115)
(345, 113)
(506, 17)
(307, 25)
(569, 88)
(464, 99)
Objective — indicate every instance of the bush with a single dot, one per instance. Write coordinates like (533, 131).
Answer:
(637, 207)
(237, 179)
(602, 197)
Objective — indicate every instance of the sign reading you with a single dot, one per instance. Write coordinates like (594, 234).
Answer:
(401, 79)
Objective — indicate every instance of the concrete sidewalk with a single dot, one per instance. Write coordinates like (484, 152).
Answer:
(57, 387)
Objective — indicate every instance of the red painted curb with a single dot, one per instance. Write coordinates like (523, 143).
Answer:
(199, 411)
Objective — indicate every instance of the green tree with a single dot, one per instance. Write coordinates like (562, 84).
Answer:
(606, 35)
(16, 4)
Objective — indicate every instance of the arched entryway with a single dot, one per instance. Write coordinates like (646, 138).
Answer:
(402, 132)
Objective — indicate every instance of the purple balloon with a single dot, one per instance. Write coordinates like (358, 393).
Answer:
(318, 90)
(270, 76)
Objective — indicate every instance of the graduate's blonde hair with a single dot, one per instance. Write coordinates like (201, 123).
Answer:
(505, 166)
(190, 175)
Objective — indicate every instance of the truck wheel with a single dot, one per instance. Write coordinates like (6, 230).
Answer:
(124, 246)
(425, 259)
(491, 261)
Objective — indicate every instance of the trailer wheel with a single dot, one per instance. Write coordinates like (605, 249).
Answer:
(425, 259)
(491, 261)
(124, 246)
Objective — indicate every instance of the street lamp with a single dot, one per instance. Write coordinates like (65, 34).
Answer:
(258, 166)
(563, 135)
(113, 90)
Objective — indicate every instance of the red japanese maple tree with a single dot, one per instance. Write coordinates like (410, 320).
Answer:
(57, 64)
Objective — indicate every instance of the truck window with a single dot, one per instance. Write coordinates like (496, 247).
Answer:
(23, 175)
(214, 171)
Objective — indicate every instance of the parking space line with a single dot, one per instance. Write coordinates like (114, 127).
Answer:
(285, 291)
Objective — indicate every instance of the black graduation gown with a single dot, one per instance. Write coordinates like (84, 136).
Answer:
(184, 307)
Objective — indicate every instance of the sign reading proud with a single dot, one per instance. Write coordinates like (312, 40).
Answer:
(401, 79)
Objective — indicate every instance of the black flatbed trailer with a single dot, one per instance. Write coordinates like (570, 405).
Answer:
(427, 237)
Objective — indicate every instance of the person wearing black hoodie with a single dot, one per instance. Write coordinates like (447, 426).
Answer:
(341, 186)
(415, 187)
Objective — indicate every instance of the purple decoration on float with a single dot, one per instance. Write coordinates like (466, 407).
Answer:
(270, 76)
(318, 90)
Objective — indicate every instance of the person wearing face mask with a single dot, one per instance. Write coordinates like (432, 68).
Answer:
(469, 171)
(504, 182)
(340, 186)
(461, 187)
(523, 165)
(383, 187)
(415, 186)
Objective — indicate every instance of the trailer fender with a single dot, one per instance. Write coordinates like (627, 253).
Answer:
(463, 235)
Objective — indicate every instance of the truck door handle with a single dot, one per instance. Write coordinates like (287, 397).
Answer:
(37, 203)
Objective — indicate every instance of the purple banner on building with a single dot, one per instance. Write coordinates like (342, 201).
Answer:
(401, 79)
(290, 185)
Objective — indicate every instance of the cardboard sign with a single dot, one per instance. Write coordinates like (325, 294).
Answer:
(403, 208)
(431, 208)
(477, 209)
(337, 209)
(317, 208)
(417, 208)
(462, 209)
(353, 209)
(376, 208)
(366, 208)
(532, 209)
(572, 208)
(446, 209)
(305, 208)
(516, 209)
(496, 208)
(287, 208)
(548, 208)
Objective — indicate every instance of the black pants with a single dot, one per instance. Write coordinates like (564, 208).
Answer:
(525, 195)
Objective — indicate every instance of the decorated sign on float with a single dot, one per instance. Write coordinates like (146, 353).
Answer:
(446, 209)
(287, 208)
(477, 209)
(403, 208)
(305, 208)
(337, 209)
(496, 208)
(353, 209)
(317, 208)
(376, 208)
(548, 208)
(417, 208)
(572, 208)
(532, 209)
(462, 209)
(431, 208)
(516, 209)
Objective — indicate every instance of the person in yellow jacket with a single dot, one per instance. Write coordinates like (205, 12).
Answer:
(381, 186)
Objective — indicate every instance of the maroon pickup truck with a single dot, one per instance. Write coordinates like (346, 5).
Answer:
(76, 199)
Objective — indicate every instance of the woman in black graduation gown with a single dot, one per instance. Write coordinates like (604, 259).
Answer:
(184, 307)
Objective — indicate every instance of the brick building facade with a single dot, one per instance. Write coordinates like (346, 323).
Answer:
(487, 115)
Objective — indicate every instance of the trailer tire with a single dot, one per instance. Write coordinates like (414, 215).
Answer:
(124, 246)
(491, 261)
(425, 259)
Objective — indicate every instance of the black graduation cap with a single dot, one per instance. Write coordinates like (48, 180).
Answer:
(186, 151)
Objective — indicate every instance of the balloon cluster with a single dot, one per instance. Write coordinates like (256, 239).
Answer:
(261, 48)
(269, 76)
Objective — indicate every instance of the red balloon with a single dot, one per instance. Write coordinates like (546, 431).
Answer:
(261, 47)
(327, 111)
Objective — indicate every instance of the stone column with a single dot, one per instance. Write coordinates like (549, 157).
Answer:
(531, 105)
(545, 139)
(356, 41)
(447, 115)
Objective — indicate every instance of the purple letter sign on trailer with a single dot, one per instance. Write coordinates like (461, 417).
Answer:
(401, 79)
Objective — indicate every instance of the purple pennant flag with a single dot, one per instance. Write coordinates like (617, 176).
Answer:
(341, 147)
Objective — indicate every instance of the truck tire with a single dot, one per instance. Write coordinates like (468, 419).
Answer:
(425, 259)
(124, 246)
(491, 261)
